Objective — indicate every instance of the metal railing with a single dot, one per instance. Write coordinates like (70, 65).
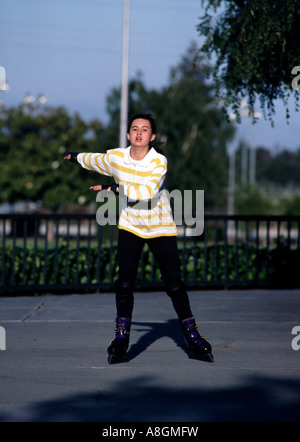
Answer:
(72, 253)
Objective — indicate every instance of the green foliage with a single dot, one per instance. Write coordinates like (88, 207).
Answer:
(252, 202)
(290, 205)
(34, 139)
(256, 45)
(282, 169)
(32, 146)
(67, 266)
(190, 125)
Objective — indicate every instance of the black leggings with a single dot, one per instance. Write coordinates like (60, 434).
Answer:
(165, 252)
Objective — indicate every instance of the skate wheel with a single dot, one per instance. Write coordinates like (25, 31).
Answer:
(209, 357)
(114, 359)
(111, 359)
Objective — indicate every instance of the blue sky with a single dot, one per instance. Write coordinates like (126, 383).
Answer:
(71, 52)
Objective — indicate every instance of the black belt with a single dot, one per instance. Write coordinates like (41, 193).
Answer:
(143, 205)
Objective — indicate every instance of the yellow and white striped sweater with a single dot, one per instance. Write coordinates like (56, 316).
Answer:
(142, 181)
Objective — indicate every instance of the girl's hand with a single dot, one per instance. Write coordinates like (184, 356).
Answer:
(71, 156)
(114, 187)
(98, 187)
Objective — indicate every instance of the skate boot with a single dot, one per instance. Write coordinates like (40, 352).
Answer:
(119, 345)
(198, 346)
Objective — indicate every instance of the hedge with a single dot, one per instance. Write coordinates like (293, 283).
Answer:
(200, 266)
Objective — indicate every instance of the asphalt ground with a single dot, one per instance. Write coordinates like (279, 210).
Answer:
(54, 367)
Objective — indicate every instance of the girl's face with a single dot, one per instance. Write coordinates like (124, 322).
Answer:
(140, 134)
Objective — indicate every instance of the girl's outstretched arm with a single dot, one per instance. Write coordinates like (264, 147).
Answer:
(112, 187)
(71, 156)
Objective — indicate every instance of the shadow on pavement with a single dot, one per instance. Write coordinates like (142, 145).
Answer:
(170, 329)
(258, 399)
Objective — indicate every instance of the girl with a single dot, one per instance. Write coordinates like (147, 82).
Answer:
(139, 172)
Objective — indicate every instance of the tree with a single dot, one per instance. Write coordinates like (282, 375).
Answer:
(33, 141)
(252, 202)
(256, 46)
(190, 125)
(196, 132)
(281, 169)
(32, 145)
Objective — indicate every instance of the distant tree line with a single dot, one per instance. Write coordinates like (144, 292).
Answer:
(282, 168)
(276, 186)
(34, 138)
(191, 126)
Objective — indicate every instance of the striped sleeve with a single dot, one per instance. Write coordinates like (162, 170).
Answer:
(98, 162)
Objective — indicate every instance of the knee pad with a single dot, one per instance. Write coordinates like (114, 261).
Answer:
(175, 287)
(176, 290)
(124, 298)
(124, 288)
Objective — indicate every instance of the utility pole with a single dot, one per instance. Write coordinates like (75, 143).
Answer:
(124, 92)
(231, 183)
(244, 164)
(252, 166)
(253, 153)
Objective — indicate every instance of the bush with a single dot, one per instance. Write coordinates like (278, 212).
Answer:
(67, 266)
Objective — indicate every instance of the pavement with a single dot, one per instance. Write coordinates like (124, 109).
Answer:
(54, 367)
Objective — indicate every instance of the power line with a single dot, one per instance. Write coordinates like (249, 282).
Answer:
(34, 31)
(94, 49)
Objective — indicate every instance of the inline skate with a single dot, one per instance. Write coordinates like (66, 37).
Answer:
(198, 345)
(119, 345)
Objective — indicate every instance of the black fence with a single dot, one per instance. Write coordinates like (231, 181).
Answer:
(72, 253)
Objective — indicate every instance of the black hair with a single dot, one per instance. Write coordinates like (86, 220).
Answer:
(144, 116)
(152, 122)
